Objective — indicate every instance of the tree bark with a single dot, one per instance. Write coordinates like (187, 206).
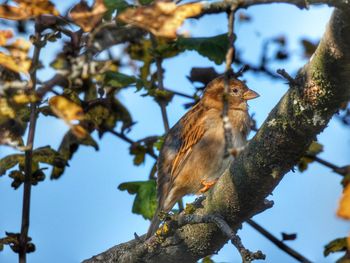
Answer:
(321, 87)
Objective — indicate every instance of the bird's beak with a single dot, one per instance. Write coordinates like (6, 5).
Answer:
(250, 94)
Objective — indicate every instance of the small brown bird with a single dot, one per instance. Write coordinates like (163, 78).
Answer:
(192, 157)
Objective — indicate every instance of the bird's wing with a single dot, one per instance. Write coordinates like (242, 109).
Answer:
(193, 130)
(177, 148)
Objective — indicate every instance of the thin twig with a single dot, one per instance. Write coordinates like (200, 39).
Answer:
(23, 238)
(178, 93)
(162, 104)
(47, 86)
(337, 169)
(277, 242)
(324, 162)
(247, 256)
(288, 77)
(130, 141)
(229, 58)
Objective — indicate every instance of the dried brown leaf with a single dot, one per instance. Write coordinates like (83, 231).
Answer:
(17, 60)
(162, 18)
(88, 17)
(27, 9)
(14, 64)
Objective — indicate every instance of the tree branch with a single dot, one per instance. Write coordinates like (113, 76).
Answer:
(281, 245)
(23, 238)
(344, 170)
(225, 6)
(228, 70)
(292, 125)
(160, 84)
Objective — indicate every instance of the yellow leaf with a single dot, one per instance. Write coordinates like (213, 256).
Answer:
(4, 36)
(315, 148)
(27, 9)
(25, 98)
(6, 110)
(66, 109)
(21, 44)
(86, 17)
(19, 49)
(162, 18)
(17, 60)
(344, 205)
(14, 63)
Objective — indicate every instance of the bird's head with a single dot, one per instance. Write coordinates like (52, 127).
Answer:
(238, 95)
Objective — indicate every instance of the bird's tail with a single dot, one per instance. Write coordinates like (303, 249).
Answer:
(154, 224)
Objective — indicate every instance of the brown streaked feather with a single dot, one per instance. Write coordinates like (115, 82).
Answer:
(170, 165)
(193, 125)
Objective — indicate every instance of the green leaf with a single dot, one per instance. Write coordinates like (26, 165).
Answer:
(115, 5)
(18, 178)
(69, 145)
(337, 245)
(48, 155)
(314, 149)
(145, 2)
(10, 161)
(60, 62)
(141, 147)
(12, 240)
(213, 48)
(106, 113)
(159, 143)
(139, 151)
(119, 80)
(145, 202)
(161, 95)
(120, 113)
(207, 259)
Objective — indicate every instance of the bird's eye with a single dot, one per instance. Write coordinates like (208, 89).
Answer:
(235, 90)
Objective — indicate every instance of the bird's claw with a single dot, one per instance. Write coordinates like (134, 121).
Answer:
(207, 185)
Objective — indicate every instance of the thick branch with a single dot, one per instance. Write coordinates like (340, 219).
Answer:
(302, 113)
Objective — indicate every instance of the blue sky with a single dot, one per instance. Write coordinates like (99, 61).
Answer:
(84, 213)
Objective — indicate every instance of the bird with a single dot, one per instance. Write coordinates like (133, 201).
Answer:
(193, 157)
